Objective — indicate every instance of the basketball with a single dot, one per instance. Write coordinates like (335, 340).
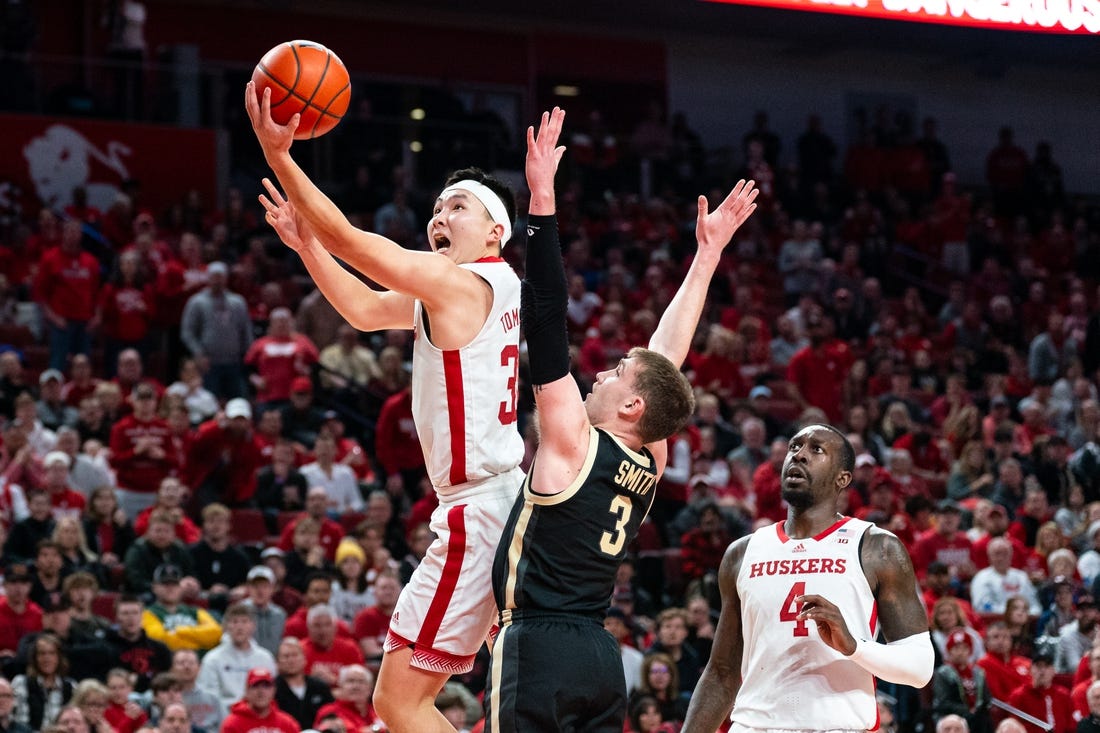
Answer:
(306, 78)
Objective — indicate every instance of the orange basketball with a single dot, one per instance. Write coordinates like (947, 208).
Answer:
(308, 78)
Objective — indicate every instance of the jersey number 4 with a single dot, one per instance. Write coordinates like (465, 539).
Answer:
(509, 357)
(790, 609)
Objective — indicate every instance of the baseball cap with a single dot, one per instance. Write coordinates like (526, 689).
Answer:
(261, 572)
(259, 676)
(56, 456)
(51, 374)
(301, 384)
(947, 506)
(1043, 656)
(618, 613)
(1086, 601)
(18, 573)
(167, 574)
(330, 415)
(238, 407)
(958, 637)
(759, 391)
(865, 459)
(272, 552)
(217, 268)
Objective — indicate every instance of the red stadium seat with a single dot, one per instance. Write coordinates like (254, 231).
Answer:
(104, 604)
(286, 518)
(248, 526)
(350, 520)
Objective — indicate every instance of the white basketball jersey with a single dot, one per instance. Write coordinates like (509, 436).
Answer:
(791, 678)
(464, 400)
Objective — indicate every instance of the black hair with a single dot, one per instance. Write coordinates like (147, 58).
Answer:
(497, 186)
(847, 452)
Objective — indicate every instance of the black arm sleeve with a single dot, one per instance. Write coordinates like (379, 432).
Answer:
(545, 296)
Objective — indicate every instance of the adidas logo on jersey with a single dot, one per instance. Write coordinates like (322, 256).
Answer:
(799, 548)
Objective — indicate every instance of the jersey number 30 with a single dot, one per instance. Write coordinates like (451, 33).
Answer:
(509, 357)
(790, 609)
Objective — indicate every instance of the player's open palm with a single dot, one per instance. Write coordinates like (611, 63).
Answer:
(292, 228)
(715, 229)
(830, 623)
(544, 153)
(273, 137)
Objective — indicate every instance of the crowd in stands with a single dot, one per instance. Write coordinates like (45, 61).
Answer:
(211, 488)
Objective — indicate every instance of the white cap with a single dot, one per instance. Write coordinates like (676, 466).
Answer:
(238, 407)
(56, 456)
(261, 571)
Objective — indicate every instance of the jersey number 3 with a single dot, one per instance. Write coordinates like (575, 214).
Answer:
(612, 542)
(509, 357)
(790, 609)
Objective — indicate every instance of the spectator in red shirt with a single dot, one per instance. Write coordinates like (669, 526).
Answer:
(19, 616)
(1004, 671)
(326, 652)
(603, 346)
(66, 287)
(397, 444)
(331, 531)
(65, 501)
(257, 712)
(318, 592)
(372, 623)
(279, 357)
(945, 543)
(170, 496)
(817, 372)
(1042, 699)
(139, 452)
(1079, 693)
(125, 309)
(1006, 172)
(770, 506)
(353, 706)
(702, 548)
(224, 457)
(82, 382)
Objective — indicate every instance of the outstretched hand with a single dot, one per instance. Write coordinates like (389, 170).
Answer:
(543, 156)
(292, 228)
(273, 137)
(831, 626)
(715, 229)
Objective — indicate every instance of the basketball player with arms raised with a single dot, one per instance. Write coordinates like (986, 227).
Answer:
(802, 601)
(593, 478)
(462, 301)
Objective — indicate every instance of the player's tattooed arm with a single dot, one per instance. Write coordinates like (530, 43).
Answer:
(890, 573)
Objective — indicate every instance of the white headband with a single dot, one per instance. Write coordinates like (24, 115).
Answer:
(488, 198)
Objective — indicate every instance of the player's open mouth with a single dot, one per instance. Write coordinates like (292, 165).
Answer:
(795, 474)
(442, 244)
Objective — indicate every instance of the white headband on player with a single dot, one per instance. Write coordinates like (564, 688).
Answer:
(488, 198)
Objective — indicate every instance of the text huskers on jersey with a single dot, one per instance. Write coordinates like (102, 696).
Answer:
(798, 567)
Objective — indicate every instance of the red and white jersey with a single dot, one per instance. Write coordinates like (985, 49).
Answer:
(792, 679)
(464, 400)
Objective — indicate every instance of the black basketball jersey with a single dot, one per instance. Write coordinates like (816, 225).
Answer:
(560, 553)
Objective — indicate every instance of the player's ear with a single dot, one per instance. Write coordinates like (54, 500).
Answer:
(633, 408)
(496, 233)
(843, 479)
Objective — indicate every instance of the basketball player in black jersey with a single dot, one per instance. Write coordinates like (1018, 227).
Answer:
(593, 478)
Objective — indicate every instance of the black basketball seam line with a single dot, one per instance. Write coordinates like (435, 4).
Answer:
(276, 82)
(320, 82)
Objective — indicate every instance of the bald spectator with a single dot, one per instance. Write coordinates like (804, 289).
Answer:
(326, 652)
(337, 479)
(354, 708)
(991, 587)
(8, 723)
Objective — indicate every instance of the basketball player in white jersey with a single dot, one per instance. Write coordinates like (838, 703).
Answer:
(463, 301)
(802, 603)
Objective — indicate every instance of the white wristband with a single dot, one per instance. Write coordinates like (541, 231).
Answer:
(907, 661)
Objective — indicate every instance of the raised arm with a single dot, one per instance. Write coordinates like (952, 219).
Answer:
(713, 230)
(421, 275)
(363, 307)
(563, 423)
(716, 691)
